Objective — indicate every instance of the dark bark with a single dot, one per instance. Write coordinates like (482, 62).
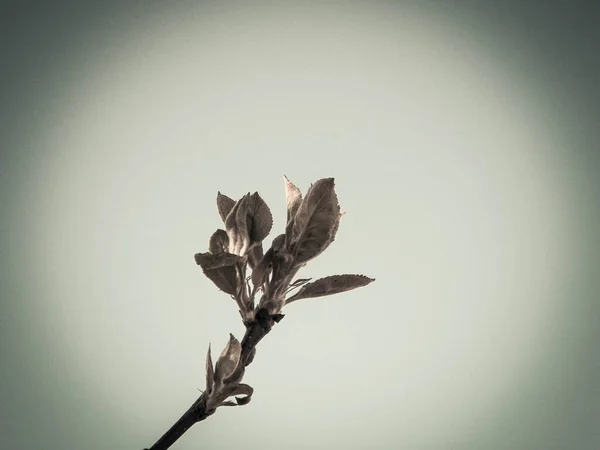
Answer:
(196, 413)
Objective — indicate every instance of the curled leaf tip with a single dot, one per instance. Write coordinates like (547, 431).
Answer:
(243, 400)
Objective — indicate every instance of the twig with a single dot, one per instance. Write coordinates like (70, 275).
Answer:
(311, 227)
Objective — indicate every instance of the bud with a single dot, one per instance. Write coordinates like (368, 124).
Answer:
(223, 381)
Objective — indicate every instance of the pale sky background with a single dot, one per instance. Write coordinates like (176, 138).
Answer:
(463, 137)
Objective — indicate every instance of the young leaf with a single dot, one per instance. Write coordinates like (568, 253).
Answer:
(293, 198)
(225, 278)
(219, 242)
(278, 243)
(334, 229)
(330, 285)
(263, 269)
(255, 254)
(237, 228)
(282, 263)
(243, 400)
(259, 220)
(224, 205)
(245, 390)
(237, 389)
(297, 283)
(228, 403)
(221, 269)
(210, 374)
(315, 222)
(213, 261)
(228, 361)
(300, 281)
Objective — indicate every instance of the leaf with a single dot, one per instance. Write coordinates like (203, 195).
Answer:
(315, 222)
(242, 400)
(228, 403)
(263, 269)
(282, 263)
(242, 389)
(255, 255)
(214, 261)
(220, 268)
(334, 229)
(293, 197)
(237, 389)
(225, 278)
(278, 242)
(299, 282)
(224, 205)
(210, 374)
(246, 391)
(259, 218)
(228, 361)
(219, 242)
(333, 284)
(237, 228)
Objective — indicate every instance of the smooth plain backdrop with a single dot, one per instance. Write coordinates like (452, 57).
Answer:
(463, 137)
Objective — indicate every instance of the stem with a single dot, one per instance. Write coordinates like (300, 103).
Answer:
(195, 413)
(255, 331)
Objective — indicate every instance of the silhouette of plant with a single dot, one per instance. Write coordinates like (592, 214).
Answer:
(312, 223)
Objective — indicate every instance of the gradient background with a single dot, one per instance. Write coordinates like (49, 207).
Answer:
(463, 137)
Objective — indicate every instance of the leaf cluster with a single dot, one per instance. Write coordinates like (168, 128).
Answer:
(238, 265)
